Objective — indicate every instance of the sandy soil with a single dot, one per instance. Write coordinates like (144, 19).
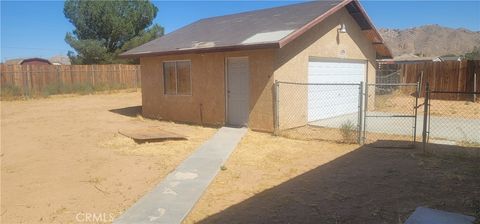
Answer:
(278, 180)
(62, 159)
(339, 135)
(445, 108)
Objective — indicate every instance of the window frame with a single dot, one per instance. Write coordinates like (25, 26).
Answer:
(176, 78)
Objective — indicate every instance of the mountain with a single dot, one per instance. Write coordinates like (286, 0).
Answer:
(430, 41)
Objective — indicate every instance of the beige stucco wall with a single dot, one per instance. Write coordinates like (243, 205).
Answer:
(207, 104)
(323, 40)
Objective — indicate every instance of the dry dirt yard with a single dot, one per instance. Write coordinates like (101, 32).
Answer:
(62, 159)
(271, 179)
(442, 108)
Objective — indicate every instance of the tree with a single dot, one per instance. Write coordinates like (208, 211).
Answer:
(448, 55)
(104, 29)
(474, 55)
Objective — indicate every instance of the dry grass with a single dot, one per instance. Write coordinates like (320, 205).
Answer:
(278, 180)
(262, 161)
(336, 135)
(63, 155)
(399, 103)
(310, 132)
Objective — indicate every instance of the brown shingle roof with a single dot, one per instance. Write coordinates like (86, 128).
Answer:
(267, 28)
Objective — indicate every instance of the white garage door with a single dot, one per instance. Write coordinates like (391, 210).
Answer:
(326, 101)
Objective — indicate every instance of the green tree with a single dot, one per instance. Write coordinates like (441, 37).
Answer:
(104, 29)
(474, 55)
(449, 55)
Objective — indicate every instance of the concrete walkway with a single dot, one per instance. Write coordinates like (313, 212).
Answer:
(173, 198)
(449, 128)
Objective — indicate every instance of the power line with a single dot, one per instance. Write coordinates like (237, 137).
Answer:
(34, 48)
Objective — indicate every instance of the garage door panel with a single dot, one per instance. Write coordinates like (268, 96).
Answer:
(326, 101)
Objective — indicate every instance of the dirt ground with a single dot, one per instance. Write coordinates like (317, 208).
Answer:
(338, 135)
(62, 159)
(278, 180)
(445, 108)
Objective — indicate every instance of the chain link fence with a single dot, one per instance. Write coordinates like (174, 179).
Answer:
(319, 111)
(391, 112)
(347, 112)
(453, 118)
(395, 112)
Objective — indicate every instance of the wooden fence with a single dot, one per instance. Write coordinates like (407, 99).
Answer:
(30, 80)
(452, 76)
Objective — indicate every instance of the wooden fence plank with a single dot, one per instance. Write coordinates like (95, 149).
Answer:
(456, 76)
(35, 79)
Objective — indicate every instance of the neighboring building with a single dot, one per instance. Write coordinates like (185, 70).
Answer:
(404, 59)
(60, 60)
(448, 58)
(414, 59)
(15, 61)
(28, 61)
(221, 70)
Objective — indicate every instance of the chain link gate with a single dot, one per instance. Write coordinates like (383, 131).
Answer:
(347, 112)
(391, 113)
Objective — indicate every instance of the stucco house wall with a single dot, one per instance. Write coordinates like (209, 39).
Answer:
(207, 103)
(324, 41)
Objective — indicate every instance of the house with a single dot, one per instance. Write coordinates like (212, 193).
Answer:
(404, 59)
(60, 60)
(448, 58)
(221, 70)
(28, 61)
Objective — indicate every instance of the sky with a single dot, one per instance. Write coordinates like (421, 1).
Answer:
(38, 28)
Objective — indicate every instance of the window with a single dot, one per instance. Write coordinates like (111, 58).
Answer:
(176, 78)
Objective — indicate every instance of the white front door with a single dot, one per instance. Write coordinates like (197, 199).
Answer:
(237, 91)
(326, 101)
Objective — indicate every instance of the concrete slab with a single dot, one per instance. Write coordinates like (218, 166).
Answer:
(423, 215)
(447, 128)
(150, 134)
(173, 198)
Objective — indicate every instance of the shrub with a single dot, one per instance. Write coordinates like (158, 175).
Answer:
(14, 92)
(349, 132)
(11, 91)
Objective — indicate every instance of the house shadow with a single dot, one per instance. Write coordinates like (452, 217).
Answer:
(128, 111)
(367, 185)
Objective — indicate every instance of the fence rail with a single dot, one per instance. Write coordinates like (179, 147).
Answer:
(32, 80)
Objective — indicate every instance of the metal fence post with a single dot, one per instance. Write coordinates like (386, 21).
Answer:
(421, 83)
(360, 113)
(276, 107)
(475, 87)
(365, 107)
(425, 116)
(415, 108)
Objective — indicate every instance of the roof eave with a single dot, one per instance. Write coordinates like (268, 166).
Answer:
(369, 21)
(284, 41)
(385, 52)
(203, 50)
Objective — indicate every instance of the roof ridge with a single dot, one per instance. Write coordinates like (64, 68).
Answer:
(270, 8)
